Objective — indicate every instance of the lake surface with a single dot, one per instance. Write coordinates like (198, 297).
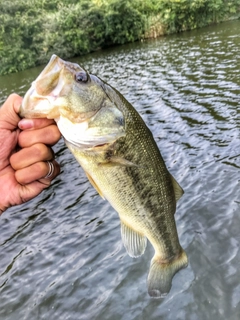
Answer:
(61, 255)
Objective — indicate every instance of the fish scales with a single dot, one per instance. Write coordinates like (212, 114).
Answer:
(151, 179)
(121, 160)
(155, 217)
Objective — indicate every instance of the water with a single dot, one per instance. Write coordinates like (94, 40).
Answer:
(61, 254)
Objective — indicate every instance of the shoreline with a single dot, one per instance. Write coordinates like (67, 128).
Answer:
(79, 28)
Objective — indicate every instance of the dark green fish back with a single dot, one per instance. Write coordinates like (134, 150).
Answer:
(152, 181)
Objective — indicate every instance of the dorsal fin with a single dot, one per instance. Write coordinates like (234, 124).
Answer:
(134, 242)
(177, 188)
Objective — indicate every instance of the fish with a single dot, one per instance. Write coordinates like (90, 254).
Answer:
(121, 159)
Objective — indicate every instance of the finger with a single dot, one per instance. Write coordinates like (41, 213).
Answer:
(46, 135)
(8, 112)
(52, 171)
(32, 189)
(28, 156)
(34, 123)
(37, 171)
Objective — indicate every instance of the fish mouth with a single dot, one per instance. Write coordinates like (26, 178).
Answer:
(40, 100)
(40, 97)
(84, 122)
(53, 69)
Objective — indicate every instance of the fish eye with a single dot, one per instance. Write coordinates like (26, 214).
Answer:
(81, 76)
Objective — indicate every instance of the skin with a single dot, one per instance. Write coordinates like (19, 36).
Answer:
(25, 146)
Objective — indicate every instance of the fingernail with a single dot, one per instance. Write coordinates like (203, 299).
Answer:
(25, 124)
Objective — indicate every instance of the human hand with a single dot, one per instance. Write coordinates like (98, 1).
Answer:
(24, 154)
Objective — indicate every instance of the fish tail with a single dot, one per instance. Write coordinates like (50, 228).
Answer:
(161, 274)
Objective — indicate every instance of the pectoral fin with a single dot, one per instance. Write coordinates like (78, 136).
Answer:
(95, 185)
(177, 189)
(118, 161)
(134, 242)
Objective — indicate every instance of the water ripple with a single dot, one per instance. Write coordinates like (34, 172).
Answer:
(61, 254)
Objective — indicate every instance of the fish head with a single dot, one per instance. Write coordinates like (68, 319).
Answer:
(77, 101)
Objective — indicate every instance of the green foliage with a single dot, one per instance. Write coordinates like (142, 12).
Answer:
(74, 30)
(32, 30)
(180, 15)
(123, 22)
(17, 36)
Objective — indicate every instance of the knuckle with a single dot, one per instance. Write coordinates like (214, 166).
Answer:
(40, 150)
(41, 167)
(57, 133)
(54, 133)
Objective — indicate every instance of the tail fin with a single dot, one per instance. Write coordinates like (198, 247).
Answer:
(161, 274)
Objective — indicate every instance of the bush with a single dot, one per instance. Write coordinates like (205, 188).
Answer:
(182, 15)
(71, 27)
(123, 22)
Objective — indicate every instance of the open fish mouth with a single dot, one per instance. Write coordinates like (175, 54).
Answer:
(65, 92)
(49, 92)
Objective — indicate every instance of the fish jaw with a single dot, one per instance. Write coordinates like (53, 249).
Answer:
(37, 106)
(56, 91)
(39, 100)
(85, 115)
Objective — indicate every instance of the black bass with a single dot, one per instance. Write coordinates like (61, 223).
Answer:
(120, 158)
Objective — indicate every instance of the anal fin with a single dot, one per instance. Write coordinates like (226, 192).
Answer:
(134, 242)
(177, 188)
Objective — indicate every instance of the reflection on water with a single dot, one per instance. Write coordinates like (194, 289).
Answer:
(61, 254)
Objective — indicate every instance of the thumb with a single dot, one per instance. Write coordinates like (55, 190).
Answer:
(9, 117)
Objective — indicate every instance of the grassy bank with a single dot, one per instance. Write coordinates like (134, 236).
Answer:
(33, 30)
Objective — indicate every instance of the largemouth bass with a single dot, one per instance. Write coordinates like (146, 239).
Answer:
(118, 153)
